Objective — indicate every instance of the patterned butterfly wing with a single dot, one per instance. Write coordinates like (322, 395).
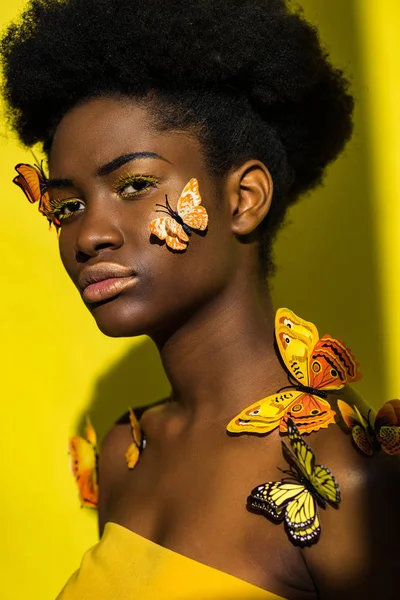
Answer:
(84, 466)
(362, 434)
(273, 497)
(166, 228)
(302, 457)
(133, 452)
(296, 339)
(387, 427)
(189, 209)
(309, 413)
(32, 182)
(332, 365)
(263, 416)
(291, 501)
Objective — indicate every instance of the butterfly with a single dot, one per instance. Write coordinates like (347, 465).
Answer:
(295, 499)
(32, 181)
(315, 367)
(383, 432)
(176, 228)
(84, 465)
(138, 444)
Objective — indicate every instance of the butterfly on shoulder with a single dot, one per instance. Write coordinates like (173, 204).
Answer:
(373, 433)
(295, 499)
(315, 366)
(84, 465)
(176, 228)
(138, 444)
(33, 182)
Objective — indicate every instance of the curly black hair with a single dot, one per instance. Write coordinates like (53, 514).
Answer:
(249, 77)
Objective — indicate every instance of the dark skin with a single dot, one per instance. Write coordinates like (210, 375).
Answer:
(213, 323)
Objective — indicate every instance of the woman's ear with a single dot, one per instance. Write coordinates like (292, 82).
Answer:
(250, 190)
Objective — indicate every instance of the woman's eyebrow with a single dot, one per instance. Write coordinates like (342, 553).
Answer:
(108, 168)
(125, 158)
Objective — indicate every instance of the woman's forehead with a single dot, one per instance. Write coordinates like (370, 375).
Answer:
(103, 129)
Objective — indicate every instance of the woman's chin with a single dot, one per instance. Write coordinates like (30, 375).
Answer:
(117, 321)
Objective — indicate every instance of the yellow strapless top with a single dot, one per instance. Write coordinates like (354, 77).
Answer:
(127, 566)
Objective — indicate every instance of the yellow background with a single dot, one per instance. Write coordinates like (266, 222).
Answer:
(338, 262)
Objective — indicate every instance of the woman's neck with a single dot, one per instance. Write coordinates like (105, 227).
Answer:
(223, 357)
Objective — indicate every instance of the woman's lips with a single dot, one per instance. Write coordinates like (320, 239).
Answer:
(107, 288)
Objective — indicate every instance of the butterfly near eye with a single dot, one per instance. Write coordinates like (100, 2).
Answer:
(139, 442)
(372, 433)
(295, 499)
(315, 367)
(177, 226)
(84, 465)
(32, 181)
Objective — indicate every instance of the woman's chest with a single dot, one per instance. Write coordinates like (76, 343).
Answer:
(192, 498)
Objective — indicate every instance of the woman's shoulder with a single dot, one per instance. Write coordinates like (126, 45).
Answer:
(358, 548)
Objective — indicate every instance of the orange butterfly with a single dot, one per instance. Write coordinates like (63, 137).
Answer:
(383, 432)
(133, 452)
(84, 464)
(32, 181)
(315, 365)
(176, 228)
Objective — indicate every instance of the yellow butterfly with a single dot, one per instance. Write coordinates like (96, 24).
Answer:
(133, 452)
(315, 365)
(84, 464)
(295, 499)
(382, 432)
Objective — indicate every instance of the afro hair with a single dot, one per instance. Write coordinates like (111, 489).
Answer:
(250, 77)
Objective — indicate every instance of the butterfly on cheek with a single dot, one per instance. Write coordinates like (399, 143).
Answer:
(315, 367)
(295, 499)
(380, 431)
(84, 465)
(177, 226)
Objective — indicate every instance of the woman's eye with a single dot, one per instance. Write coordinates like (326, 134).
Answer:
(130, 186)
(65, 209)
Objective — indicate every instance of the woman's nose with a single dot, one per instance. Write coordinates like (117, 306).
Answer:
(98, 229)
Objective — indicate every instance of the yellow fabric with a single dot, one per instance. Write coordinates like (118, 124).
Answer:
(127, 566)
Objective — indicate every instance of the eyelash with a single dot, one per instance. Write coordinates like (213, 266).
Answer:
(56, 206)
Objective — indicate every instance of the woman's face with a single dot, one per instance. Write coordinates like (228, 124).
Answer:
(111, 164)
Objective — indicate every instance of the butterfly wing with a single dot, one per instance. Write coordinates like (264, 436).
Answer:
(32, 182)
(309, 413)
(291, 501)
(296, 339)
(273, 497)
(332, 365)
(362, 434)
(84, 465)
(387, 427)
(263, 416)
(132, 454)
(166, 228)
(302, 457)
(189, 209)
(301, 519)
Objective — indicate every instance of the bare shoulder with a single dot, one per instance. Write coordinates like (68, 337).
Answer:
(112, 462)
(357, 555)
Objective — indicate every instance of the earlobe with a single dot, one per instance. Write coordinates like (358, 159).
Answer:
(250, 193)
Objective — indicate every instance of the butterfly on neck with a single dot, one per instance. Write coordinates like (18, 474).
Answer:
(316, 367)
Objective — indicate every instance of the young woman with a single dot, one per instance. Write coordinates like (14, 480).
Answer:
(177, 134)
